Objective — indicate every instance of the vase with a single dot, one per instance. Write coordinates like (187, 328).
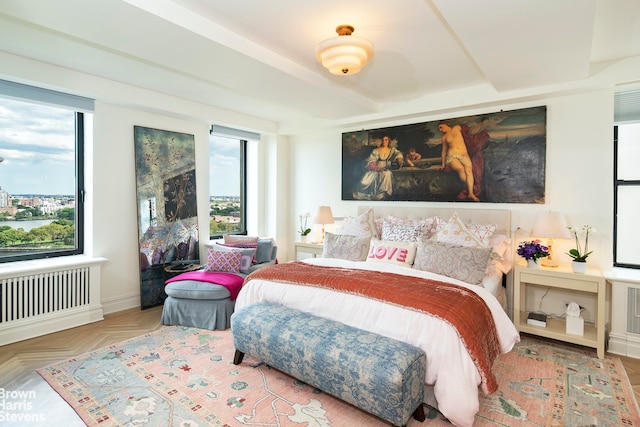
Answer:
(532, 264)
(579, 267)
(304, 239)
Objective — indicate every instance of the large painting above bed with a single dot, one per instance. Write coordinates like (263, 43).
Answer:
(497, 157)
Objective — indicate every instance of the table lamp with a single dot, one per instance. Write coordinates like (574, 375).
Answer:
(550, 225)
(323, 216)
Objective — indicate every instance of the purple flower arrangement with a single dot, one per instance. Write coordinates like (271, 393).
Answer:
(532, 250)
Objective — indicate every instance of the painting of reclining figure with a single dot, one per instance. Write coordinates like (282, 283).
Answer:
(497, 158)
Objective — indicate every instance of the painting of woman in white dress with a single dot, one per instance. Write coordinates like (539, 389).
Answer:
(377, 181)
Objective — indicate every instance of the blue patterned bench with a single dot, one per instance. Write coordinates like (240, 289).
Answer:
(382, 376)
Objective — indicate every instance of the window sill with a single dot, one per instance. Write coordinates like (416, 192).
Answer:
(620, 274)
(41, 265)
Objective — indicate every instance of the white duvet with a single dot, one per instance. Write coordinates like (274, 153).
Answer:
(452, 378)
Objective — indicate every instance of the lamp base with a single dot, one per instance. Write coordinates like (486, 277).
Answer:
(549, 263)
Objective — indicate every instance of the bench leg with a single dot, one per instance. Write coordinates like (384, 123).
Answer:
(237, 358)
(418, 414)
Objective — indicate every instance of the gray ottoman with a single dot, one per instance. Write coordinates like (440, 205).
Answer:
(197, 304)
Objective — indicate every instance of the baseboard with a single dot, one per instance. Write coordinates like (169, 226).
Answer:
(45, 324)
(113, 305)
(624, 345)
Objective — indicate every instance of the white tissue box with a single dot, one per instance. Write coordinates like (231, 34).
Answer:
(575, 325)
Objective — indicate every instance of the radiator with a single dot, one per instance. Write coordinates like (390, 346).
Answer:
(40, 297)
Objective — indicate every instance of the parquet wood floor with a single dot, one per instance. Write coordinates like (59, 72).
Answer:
(19, 361)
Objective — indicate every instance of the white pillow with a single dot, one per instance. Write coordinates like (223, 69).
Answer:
(363, 225)
(482, 231)
(501, 245)
(345, 246)
(456, 233)
(401, 253)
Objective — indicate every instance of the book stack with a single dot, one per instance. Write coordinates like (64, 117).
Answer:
(537, 319)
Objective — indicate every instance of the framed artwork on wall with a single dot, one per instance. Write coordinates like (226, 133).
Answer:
(496, 158)
(167, 208)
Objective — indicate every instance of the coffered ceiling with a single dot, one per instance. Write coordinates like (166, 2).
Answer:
(258, 57)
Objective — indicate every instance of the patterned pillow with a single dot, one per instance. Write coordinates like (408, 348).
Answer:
(456, 233)
(482, 231)
(411, 232)
(363, 225)
(344, 246)
(402, 253)
(247, 256)
(221, 260)
(465, 263)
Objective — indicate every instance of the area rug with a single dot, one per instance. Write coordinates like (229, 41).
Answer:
(179, 376)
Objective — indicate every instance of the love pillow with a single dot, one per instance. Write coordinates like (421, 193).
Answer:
(401, 253)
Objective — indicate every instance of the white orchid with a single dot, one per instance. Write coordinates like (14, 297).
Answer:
(304, 230)
(577, 254)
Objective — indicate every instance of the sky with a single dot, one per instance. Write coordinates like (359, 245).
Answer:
(37, 145)
(224, 162)
(37, 148)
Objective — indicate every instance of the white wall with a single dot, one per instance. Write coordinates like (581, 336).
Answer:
(113, 230)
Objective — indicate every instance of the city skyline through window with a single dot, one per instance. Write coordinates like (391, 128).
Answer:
(40, 179)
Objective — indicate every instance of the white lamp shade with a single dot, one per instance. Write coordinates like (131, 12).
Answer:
(323, 215)
(550, 225)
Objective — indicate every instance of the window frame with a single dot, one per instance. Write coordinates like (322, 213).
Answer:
(79, 105)
(243, 189)
(617, 184)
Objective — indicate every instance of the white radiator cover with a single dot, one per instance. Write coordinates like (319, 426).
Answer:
(624, 337)
(44, 296)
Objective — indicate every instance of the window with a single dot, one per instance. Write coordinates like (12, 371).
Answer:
(227, 185)
(626, 195)
(41, 172)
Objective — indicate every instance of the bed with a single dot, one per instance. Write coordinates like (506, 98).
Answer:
(457, 348)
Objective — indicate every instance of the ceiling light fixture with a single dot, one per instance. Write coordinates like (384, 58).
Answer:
(344, 55)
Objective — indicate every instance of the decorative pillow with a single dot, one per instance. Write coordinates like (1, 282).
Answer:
(363, 225)
(465, 263)
(221, 260)
(402, 253)
(344, 246)
(456, 233)
(237, 239)
(501, 245)
(264, 250)
(482, 231)
(247, 256)
(403, 232)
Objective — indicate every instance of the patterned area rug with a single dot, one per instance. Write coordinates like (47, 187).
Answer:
(180, 376)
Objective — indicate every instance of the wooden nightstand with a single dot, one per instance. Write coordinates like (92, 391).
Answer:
(562, 278)
(315, 249)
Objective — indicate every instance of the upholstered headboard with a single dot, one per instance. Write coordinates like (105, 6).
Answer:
(500, 217)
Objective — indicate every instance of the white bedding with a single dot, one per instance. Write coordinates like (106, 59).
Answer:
(452, 378)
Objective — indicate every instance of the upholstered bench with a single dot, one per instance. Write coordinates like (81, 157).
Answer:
(382, 376)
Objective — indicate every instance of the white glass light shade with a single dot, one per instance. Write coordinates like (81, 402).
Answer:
(345, 54)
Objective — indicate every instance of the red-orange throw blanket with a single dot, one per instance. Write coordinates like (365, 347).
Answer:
(460, 307)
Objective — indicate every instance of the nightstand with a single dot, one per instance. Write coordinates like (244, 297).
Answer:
(592, 282)
(315, 249)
